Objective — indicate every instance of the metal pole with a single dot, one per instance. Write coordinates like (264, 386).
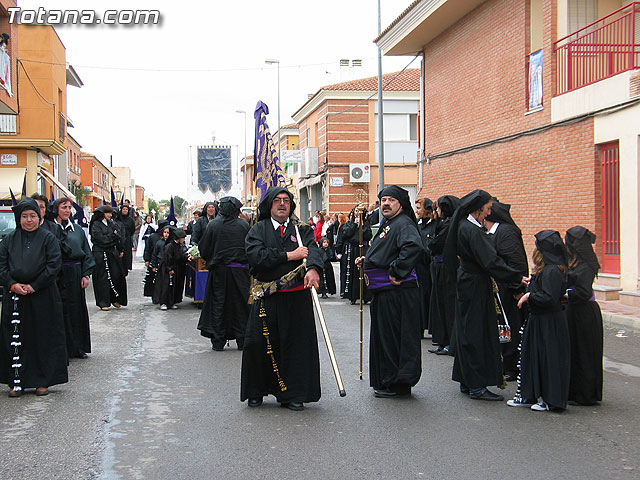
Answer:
(279, 132)
(380, 152)
(244, 170)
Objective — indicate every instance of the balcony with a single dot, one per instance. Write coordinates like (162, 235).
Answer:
(602, 49)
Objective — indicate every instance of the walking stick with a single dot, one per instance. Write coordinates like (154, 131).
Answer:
(323, 325)
(360, 209)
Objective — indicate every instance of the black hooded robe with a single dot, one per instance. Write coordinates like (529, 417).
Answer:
(77, 264)
(150, 277)
(442, 304)
(168, 288)
(128, 227)
(201, 225)
(427, 230)
(546, 349)
(477, 361)
(32, 258)
(327, 277)
(109, 281)
(225, 309)
(290, 317)
(585, 328)
(394, 344)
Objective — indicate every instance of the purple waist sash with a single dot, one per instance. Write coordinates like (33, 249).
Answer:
(237, 265)
(592, 299)
(71, 262)
(377, 278)
(437, 258)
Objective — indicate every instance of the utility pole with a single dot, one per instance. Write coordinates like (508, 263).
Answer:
(380, 152)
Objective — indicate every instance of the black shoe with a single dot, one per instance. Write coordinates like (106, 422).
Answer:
(436, 350)
(82, 355)
(295, 406)
(388, 393)
(464, 388)
(240, 346)
(255, 402)
(487, 395)
(442, 351)
(217, 349)
(510, 376)
(324, 295)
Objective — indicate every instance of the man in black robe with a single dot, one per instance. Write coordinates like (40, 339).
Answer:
(149, 245)
(394, 351)
(507, 238)
(33, 351)
(209, 212)
(477, 363)
(280, 355)
(128, 228)
(225, 309)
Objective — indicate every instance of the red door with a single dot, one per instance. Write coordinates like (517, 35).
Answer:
(610, 203)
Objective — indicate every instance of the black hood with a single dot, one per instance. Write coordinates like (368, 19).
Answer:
(230, 207)
(204, 209)
(448, 205)
(553, 250)
(501, 213)
(23, 205)
(264, 209)
(402, 196)
(580, 240)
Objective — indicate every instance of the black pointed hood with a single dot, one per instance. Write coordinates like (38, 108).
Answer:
(264, 209)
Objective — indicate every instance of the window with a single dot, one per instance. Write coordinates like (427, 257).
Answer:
(413, 127)
(581, 13)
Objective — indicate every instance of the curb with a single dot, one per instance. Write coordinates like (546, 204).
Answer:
(617, 320)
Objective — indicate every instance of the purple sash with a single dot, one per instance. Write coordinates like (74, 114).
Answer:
(377, 278)
(437, 259)
(237, 265)
(71, 262)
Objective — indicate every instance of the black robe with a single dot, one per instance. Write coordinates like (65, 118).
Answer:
(225, 309)
(394, 345)
(351, 250)
(427, 230)
(477, 361)
(78, 263)
(199, 228)
(327, 278)
(509, 246)
(586, 332)
(125, 227)
(339, 249)
(150, 277)
(546, 349)
(169, 287)
(109, 281)
(32, 258)
(290, 321)
(442, 303)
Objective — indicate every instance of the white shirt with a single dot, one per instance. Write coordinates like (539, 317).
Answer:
(276, 224)
(494, 228)
(472, 219)
(64, 227)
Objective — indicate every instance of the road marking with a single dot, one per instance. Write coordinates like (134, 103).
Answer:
(625, 369)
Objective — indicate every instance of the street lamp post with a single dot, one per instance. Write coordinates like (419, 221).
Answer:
(271, 62)
(244, 171)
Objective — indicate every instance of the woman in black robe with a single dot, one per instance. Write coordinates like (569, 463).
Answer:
(127, 227)
(77, 267)
(584, 319)
(327, 278)
(156, 258)
(442, 306)
(477, 357)
(351, 250)
(150, 277)
(507, 238)
(426, 229)
(546, 349)
(109, 282)
(171, 271)
(33, 350)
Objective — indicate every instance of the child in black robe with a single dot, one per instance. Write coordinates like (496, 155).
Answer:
(171, 272)
(327, 278)
(545, 357)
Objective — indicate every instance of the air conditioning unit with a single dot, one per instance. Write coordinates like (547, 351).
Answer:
(359, 173)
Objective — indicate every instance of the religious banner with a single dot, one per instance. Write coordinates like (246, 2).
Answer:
(535, 80)
(267, 172)
(214, 169)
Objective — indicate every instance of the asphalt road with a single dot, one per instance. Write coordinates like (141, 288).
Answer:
(153, 401)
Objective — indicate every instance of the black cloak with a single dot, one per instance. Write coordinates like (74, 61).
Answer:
(36, 343)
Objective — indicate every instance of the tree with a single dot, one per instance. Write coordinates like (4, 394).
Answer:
(79, 191)
(153, 206)
(179, 205)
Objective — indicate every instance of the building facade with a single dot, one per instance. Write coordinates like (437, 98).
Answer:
(537, 102)
(338, 140)
(97, 179)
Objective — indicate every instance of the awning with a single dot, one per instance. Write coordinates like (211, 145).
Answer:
(56, 183)
(11, 178)
(307, 182)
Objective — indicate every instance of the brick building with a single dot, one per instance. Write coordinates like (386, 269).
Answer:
(97, 179)
(337, 128)
(537, 102)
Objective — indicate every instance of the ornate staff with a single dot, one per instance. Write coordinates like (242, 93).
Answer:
(361, 196)
(323, 324)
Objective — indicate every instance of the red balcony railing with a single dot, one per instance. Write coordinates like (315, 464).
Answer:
(602, 49)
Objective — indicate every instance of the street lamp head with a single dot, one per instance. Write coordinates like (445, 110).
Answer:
(240, 111)
(270, 61)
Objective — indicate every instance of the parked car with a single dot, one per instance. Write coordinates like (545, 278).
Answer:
(7, 221)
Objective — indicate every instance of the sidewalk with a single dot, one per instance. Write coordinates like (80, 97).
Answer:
(615, 313)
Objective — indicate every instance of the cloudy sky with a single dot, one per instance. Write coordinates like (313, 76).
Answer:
(153, 92)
